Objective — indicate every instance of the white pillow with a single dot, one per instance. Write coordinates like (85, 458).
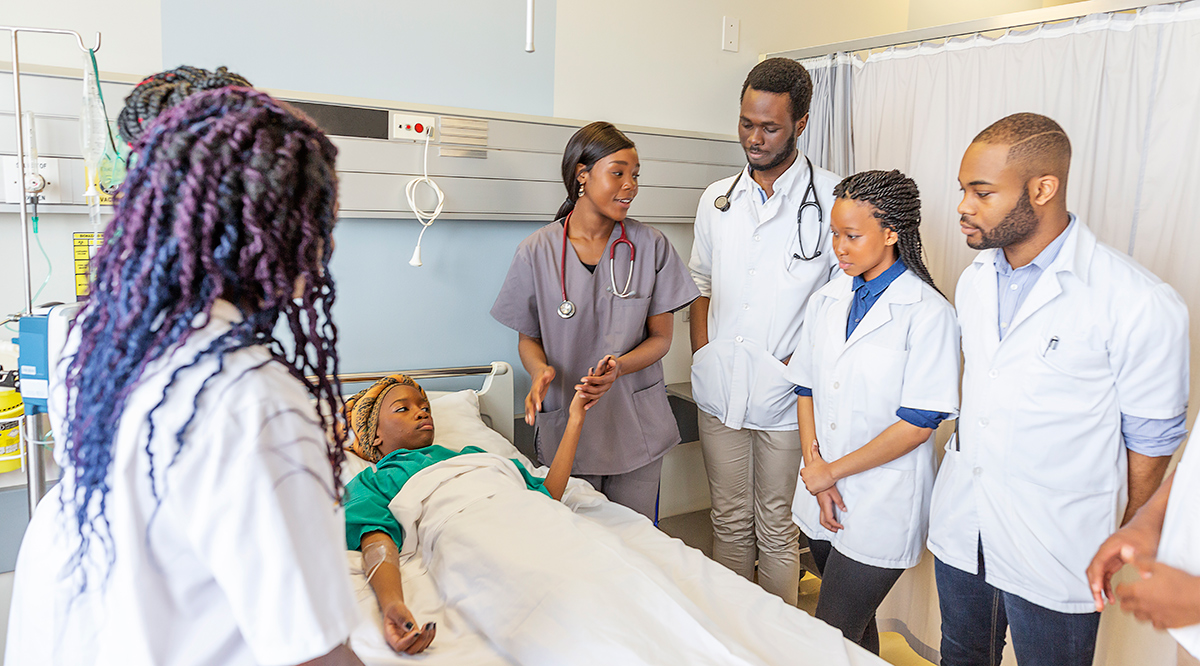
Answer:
(457, 424)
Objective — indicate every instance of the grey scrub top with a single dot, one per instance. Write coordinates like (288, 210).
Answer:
(632, 425)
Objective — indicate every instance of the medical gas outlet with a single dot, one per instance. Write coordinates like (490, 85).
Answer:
(411, 127)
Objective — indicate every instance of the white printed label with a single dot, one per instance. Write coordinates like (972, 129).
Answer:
(35, 388)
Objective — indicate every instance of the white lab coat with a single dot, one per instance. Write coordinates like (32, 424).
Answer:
(1039, 469)
(743, 260)
(904, 353)
(1180, 543)
(243, 560)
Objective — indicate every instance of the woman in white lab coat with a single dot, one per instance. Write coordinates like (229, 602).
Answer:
(197, 520)
(876, 371)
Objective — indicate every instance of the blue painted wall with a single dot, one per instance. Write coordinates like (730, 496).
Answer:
(393, 316)
(464, 53)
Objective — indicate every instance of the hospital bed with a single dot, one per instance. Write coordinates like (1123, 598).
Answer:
(761, 627)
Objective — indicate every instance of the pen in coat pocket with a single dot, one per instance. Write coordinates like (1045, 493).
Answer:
(1051, 346)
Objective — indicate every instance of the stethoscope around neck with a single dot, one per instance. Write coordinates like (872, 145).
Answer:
(722, 204)
(566, 309)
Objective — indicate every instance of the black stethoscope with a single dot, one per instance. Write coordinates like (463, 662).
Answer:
(722, 204)
(566, 309)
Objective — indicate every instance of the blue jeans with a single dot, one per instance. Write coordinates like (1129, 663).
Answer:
(975, 616)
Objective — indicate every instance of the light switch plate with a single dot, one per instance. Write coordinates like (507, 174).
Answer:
(729, 33)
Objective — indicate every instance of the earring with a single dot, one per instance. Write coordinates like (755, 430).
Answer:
(580, 192)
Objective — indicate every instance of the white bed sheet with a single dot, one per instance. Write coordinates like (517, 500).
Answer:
(746, 615)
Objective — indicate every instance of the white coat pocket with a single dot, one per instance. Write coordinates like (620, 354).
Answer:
(773, 390)
(883, 527)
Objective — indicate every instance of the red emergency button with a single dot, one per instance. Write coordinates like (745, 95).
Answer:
(420, 128)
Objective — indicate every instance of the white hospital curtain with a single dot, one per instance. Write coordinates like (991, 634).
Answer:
(827, 139)
(1125, 88)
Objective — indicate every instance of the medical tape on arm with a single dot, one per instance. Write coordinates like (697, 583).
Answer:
(378, 552)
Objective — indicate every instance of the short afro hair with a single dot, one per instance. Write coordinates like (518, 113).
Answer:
(782, 75)
(1037, 144)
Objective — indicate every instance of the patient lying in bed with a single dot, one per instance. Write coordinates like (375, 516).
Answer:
(518, 579)
(393, 425)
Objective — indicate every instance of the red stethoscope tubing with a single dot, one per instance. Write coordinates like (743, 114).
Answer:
(612, 257)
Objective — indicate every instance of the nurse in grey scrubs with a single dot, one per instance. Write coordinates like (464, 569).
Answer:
(575, 295)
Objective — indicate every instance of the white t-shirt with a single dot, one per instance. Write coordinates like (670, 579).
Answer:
(240, 560)
(1179, 546)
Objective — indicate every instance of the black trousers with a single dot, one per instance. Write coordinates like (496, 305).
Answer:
(850, 593)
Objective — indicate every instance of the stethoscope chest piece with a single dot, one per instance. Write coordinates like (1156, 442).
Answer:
(566, 309)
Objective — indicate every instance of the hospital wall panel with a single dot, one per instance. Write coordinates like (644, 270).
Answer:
(662, 164)
(392, 315)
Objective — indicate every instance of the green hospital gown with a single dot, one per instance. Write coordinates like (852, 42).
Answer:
(369, 494)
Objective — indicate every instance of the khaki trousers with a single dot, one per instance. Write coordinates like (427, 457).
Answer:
(752, 478)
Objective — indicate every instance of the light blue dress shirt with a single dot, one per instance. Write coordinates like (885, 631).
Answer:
(1149, 437)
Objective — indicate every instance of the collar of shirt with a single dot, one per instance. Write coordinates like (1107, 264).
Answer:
(1014, 284)
(1044, 258)
(783, 185)
(422, 454)
(867, 293)
(876, 286)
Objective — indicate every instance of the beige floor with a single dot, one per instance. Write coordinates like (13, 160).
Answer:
(695, 529)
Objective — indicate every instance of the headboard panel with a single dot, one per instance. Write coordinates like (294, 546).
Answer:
(495, 397)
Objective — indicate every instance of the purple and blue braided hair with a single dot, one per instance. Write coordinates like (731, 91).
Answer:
(233, 196)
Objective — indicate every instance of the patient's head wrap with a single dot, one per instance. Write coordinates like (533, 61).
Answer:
(362, 414)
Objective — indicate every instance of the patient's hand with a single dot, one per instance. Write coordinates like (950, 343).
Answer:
(599, 379)
(401, 630)
(580, 403)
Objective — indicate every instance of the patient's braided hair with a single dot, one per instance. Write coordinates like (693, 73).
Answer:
(164, 90)
(897, 204)
(233, 197)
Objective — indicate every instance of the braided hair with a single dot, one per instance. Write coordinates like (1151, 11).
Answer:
(588, 146)
(233, 196)
(897, 204)
(161, 91)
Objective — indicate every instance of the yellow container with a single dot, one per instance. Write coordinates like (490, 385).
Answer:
(11, 411)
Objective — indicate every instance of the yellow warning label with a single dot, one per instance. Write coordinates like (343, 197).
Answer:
(85, 243)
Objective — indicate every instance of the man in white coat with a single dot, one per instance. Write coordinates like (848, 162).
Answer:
(1075, 389)
(762, 247)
